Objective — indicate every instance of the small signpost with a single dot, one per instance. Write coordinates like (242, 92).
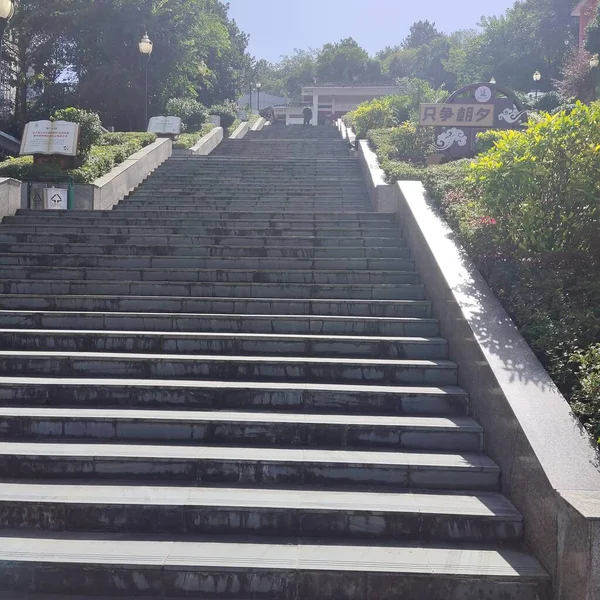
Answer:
(165, 126)
(468, 112)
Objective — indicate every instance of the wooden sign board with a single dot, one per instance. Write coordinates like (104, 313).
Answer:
(457, 115)
(165, 125)
(47, 137)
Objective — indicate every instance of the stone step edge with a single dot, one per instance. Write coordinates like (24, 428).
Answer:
(198, 417)
(490, 505)
(396, 390)
(408, 559)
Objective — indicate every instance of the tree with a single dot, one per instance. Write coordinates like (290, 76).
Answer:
(422, 33)
(346, 62)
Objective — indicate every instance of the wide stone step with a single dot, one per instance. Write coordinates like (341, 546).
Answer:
(114, 273)
(219, 305)
(128, 219)
(233, 395)
(221, 215)
(158, 241)
(100, 564)
(176, 263)
(483, 517)
(224, 323)
(243, 466)
(277, 289)
(325, 231)
(269, 252)
(252, 368)
(220, 428)
(246, 344)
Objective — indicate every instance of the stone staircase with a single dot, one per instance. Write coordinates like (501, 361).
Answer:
(231, 387)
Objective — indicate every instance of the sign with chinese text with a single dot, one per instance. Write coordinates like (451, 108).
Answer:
(165, 125)
(47, 137)
(457, 115)
(468, 112)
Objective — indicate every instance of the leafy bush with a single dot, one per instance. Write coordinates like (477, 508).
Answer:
(192, 113)
(100, 160)
(90, 127)
(187, 140)
(587, 395)
(487, 140)
(408, 143)
(227, 111)
(548, 102)
(542, 186)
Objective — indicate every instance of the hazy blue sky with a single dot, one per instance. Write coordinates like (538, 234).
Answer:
(276, 27)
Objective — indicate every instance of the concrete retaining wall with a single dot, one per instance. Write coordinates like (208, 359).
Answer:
(550, 470)
(258, 124)
(205, 145)
(240, 131)
(10, 196)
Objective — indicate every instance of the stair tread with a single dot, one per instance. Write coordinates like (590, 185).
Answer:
(234, 385)
(228, 336)
(449, 560)
(192, 417)
(469, 461)
(432, 364)
(491, 505)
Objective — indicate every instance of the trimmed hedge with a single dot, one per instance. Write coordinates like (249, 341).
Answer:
(111, 151)
(188, 140)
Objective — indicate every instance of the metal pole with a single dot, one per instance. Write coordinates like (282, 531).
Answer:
(146, 105)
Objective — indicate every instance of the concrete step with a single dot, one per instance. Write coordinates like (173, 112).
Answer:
(160, 241)
(214, 367)
(186, 219)
(275, 290)
(155, 261)
(219, 305)
(284, 324)
(269, 252)
(190, 276)
(220, 428)
(246, 344)
(251, 467)
(296, 398)
(264, 216)
(483, 517)
(325, 232)
(100, 564)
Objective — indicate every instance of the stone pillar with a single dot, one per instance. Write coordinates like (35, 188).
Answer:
(315, 120)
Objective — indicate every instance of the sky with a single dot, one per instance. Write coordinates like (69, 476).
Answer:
(277, 27)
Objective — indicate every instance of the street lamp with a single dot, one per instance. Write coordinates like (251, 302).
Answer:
(537, 77)
(145, 45)
(258, 86)
(7, 10)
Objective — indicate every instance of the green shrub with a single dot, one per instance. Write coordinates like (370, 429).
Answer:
(542, 185)
(548, 102)
(188, 140)
(100, 160)
(487, 140)
(587, 395)
(227, 111)
(90, 127)
(192, 113)
(379, 114)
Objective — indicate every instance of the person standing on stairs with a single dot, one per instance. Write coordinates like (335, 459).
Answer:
(308, 115)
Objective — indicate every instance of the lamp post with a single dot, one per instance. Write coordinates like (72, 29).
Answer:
(258, 86)
(145, 45)
(537, 77)
(7, 10)
(594, 62)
